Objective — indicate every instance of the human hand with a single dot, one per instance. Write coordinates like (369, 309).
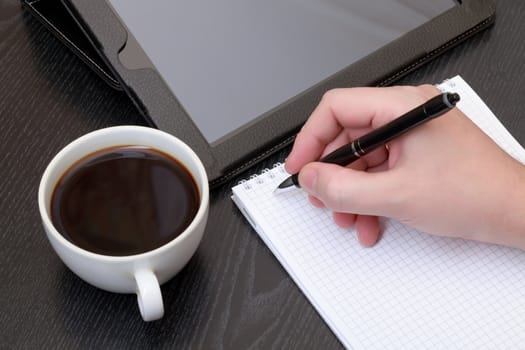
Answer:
(445, 177)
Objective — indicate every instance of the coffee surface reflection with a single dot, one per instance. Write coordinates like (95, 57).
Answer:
(124, 200)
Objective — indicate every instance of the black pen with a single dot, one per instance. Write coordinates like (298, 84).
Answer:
(379, 137)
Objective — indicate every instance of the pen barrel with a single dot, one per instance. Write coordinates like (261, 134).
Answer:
(342, 156)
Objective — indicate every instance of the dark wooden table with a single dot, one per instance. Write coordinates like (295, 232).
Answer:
(233, 294)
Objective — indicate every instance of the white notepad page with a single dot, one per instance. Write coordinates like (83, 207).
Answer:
(410, 291)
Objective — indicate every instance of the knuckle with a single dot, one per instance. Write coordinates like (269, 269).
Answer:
(331, 94)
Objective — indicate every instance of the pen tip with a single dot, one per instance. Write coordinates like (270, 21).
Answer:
(286, 183)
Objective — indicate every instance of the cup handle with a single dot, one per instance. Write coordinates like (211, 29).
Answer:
(148, 295)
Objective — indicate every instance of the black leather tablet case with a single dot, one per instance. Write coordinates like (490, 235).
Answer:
(275, 129)
(54, 15)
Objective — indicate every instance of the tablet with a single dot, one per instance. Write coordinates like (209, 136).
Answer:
(236, 79)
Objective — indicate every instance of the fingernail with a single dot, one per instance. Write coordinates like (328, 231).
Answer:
(308, 179)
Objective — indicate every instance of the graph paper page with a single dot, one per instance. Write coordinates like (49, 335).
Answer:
(411, 290)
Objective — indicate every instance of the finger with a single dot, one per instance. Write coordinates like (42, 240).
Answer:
(344, 138)
(350, 191)
(378, 168)
(316, 202)
(375, 158)
(368, 230)
(344, 219)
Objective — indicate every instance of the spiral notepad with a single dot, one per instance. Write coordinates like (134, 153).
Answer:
(410, 291)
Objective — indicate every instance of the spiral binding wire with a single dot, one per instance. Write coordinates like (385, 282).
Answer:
(259, 178)
(450, 85)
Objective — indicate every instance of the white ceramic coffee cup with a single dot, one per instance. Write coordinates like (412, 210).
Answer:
(141, 273)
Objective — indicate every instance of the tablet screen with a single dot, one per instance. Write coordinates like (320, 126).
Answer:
(229, 62)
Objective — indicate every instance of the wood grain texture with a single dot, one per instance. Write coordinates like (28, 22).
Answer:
(233, 294)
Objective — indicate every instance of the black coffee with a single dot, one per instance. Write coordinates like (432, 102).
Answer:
(124, 201)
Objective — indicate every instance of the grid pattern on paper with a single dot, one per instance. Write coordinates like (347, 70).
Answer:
(412, 290)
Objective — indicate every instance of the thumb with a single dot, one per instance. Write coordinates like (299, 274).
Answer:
(347, 190)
